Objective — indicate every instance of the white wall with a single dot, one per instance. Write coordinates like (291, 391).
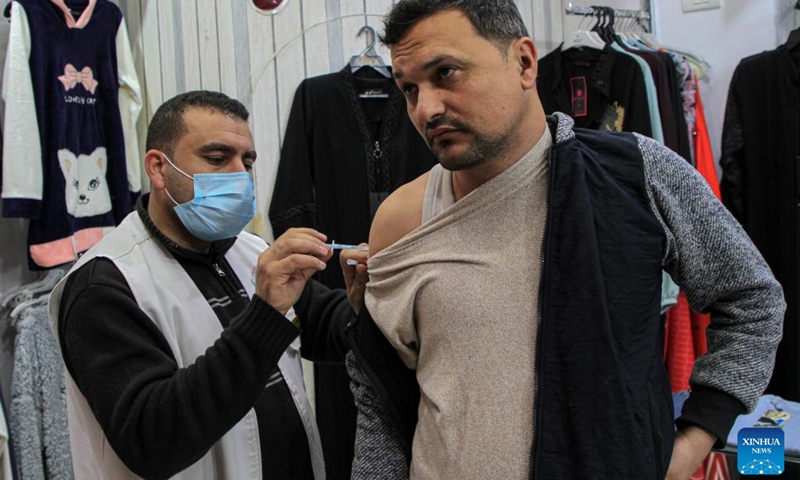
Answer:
(787, 18)
(723, 37)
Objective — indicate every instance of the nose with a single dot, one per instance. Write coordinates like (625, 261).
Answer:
(238, 165)
(428, 107)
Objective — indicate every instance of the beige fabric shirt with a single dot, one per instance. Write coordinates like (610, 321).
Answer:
(457, 297)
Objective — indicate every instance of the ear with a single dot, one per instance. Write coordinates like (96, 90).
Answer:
(156, 168)
(527, 59)
(66, 159)
(100, 154)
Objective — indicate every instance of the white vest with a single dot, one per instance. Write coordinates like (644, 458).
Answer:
(166, 293)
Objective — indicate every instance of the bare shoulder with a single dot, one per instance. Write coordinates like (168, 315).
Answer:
(398, 215)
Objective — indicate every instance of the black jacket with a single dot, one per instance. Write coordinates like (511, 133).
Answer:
(761, 182)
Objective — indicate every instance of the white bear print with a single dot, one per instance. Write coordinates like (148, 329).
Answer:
(86, 191)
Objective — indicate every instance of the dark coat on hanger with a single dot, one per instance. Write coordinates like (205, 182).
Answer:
(761, 182)
(342, 155)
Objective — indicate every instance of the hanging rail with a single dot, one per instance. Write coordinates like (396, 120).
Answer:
(641, 16)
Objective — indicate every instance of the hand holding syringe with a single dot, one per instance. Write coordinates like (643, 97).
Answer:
(340, 246)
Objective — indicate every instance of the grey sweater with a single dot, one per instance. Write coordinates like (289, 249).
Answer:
(38, 402)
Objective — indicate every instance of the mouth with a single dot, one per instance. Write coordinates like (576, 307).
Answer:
(437, 132)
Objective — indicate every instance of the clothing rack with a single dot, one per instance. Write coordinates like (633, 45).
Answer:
(643, 17)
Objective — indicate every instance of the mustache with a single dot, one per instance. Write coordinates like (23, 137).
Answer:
(445, 121)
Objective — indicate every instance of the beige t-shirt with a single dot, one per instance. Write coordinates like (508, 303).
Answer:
(458, 299)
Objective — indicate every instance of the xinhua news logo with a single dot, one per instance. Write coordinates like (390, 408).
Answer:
(760, 451)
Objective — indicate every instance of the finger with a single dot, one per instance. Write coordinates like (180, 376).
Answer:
(308, 231)
(295, 243)
(362, 274)
(293, 263)
(357, 256)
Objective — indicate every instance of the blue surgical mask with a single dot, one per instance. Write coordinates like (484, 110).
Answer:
(223, 203)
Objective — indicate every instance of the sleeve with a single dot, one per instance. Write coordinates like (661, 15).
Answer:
(160, 418)
(637, 118)
(130, 105)
(22, 147)
(324, 313)
(379, 450)
(713, 260)
(732, 184)
(293, 201)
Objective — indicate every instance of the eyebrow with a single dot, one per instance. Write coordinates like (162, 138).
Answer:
(224, 148)
(434, 62)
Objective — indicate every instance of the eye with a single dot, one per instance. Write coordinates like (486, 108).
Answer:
(94, 183)
(216, 160)
(75, 183)
(408, 89)
(248, 166)
(445, 72)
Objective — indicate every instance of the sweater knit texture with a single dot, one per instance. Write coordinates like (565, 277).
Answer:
(475, 421)
(38, 402)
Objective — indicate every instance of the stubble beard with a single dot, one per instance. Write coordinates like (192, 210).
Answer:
(482, 150)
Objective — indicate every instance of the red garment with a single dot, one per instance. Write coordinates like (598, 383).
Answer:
(679, 349)
(702, 149)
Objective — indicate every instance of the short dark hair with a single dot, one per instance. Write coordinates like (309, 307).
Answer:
(168, 126)
(498, 21)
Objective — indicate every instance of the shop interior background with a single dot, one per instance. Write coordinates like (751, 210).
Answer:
(227, 45)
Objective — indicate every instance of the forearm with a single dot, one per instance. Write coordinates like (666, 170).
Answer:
(324, 314)
(712, 259)
(158, 417)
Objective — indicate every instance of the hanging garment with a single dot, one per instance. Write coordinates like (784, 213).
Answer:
(600, 89)
(38, 402)
(341, 156)
(70, 156)
(7, 463)
(760, 151)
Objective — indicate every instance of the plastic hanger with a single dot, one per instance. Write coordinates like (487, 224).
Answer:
(583, 38)
(369, 58)
(26, 305)
(44, 284)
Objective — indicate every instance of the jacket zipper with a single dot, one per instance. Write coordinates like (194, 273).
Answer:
(534, 470)
(219, 270)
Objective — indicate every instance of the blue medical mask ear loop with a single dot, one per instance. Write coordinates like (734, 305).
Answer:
(179, 171)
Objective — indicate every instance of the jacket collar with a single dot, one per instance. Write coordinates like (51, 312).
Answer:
(601, 75)
(788, 62)
(215, 251)
(561, 126)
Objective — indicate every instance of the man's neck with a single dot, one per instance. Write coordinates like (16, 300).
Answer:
(168, 223)
(465, 181)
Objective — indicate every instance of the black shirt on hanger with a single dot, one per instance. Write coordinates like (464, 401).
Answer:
(615, 94)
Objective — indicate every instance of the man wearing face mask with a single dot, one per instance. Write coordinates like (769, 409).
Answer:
(178, 329)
